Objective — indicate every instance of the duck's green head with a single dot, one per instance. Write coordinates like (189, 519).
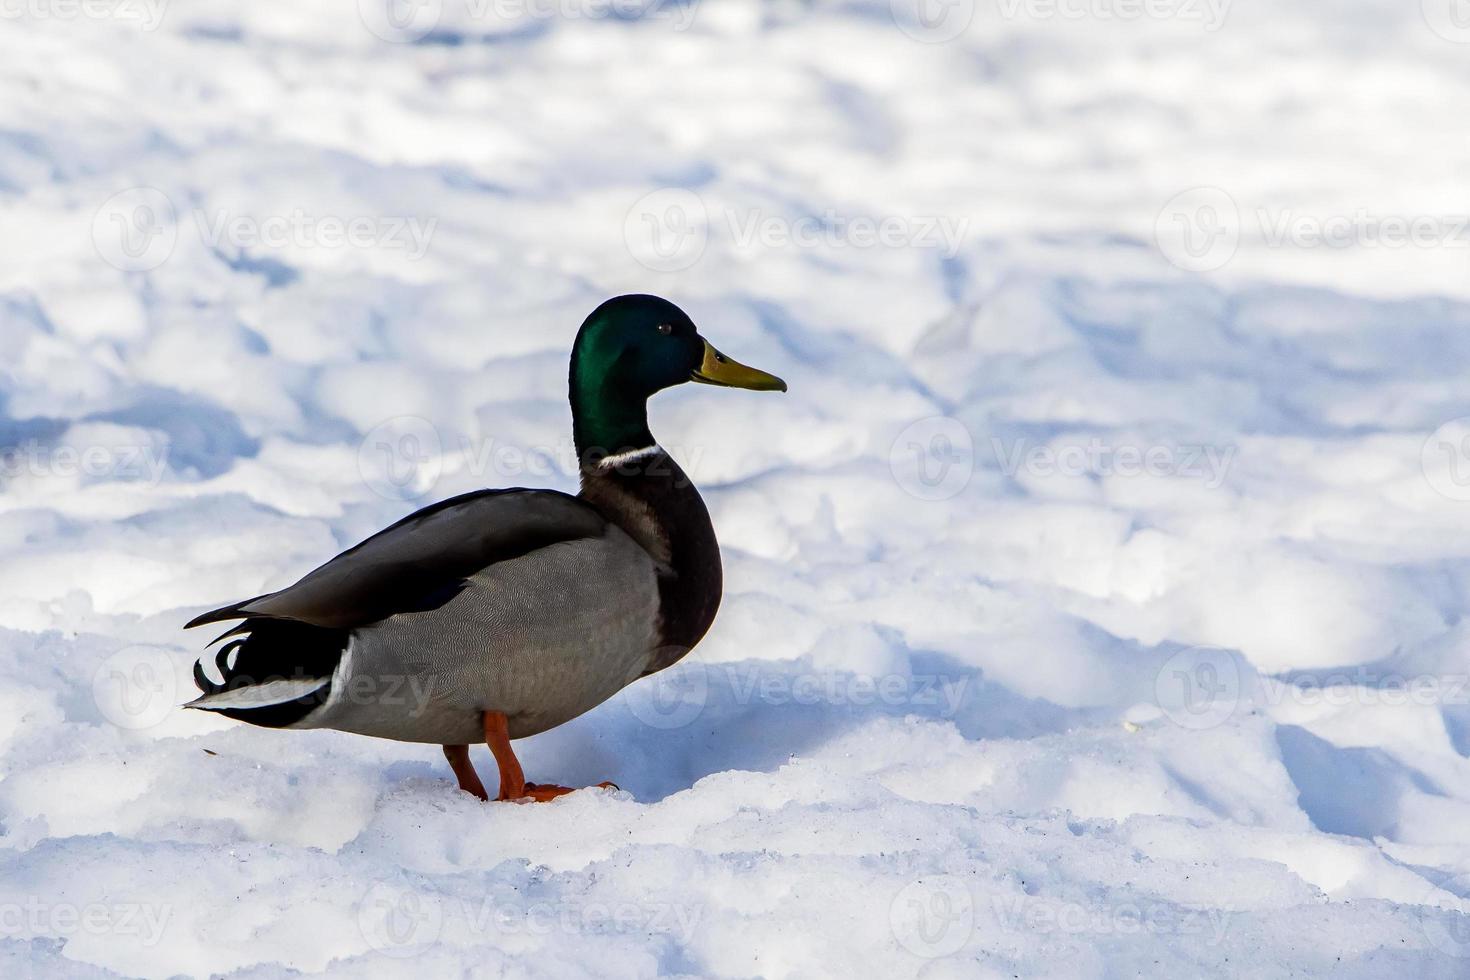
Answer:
(630, 348)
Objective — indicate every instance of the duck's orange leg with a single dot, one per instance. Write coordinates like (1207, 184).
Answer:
(497, 736)
(513, 785)
(464, 770)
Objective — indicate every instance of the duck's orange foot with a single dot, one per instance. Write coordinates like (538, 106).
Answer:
(543, 792)
(513, 785)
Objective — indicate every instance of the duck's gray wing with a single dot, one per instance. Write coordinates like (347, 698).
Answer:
(423, 560)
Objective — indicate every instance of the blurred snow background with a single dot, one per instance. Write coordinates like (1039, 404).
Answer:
(1094, 600)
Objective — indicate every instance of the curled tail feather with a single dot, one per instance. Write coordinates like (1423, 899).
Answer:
(272, 672)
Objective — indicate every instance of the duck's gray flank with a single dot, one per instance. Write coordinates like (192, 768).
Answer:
(456, 598)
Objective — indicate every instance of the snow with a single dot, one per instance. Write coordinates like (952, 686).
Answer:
(1093, 599)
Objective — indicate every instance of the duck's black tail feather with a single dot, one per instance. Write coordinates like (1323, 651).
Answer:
(273, 672)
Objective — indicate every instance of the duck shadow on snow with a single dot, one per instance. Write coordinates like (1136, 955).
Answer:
(664, 733)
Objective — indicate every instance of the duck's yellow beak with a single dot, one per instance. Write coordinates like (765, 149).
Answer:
(717, 369)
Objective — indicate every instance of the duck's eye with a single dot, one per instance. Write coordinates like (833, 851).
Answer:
(665, 328)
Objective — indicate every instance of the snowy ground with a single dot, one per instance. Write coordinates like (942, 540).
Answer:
(1094, 600)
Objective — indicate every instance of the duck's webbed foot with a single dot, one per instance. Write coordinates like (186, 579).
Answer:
(541, 792)
(513, 785)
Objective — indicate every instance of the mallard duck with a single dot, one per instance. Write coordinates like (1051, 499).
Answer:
(500, 614)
